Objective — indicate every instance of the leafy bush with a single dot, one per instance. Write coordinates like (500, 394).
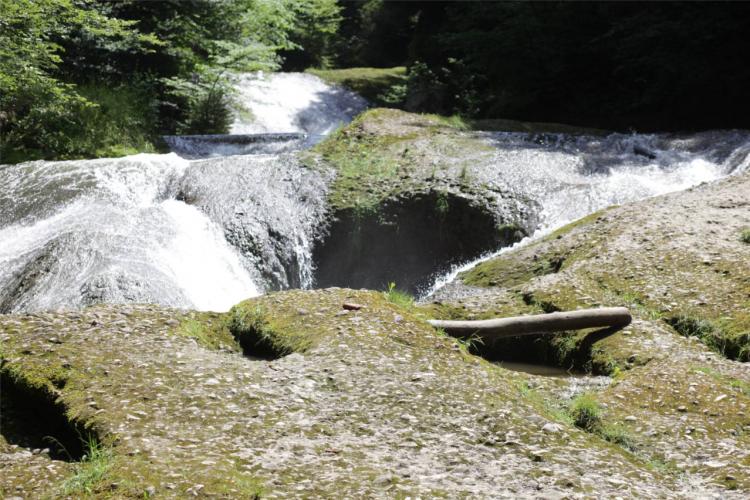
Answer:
(745, 236)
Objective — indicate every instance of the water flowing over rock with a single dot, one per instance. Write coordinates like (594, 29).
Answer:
(270, 208)
(292, 102)
(111, 231)
(230, 217)
(572, 176)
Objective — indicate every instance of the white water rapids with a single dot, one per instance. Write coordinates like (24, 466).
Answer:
(207, 233)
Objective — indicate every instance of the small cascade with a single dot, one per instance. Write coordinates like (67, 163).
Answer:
(212, 146)
(228, 217)
(292, 102)
(573, 176)
(84, 232)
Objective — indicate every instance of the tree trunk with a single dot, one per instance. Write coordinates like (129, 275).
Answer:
(537, 324)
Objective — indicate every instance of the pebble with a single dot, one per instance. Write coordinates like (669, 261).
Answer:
(352, 306)
(552, 427)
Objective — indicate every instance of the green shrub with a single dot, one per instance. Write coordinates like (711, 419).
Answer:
(99, 121)
(586, 412)
(617, 434)
(745, 236)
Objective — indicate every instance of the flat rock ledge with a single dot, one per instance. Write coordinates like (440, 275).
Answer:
(357, 403)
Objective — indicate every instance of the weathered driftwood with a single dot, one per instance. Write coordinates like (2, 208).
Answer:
(537, 324)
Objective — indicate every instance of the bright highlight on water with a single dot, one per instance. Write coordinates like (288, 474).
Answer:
(194, 233)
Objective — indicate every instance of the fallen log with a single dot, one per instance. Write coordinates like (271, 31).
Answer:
(537, 324)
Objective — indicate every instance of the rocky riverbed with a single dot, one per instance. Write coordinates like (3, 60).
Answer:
(350, 393)
(344, 393)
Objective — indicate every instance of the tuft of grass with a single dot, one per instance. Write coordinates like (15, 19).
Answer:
(208, 330)
(716, 335)
(398, 297)
(745, 236)
(91, 471)
(619, 435)
(470, 345)
(442, 206)
(586, 412)
(195, 330)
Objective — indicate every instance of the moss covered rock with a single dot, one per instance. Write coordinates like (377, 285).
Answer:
(680, 397)
(365, 402)
(413, 195)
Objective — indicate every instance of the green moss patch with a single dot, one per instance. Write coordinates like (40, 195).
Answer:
(384, 152)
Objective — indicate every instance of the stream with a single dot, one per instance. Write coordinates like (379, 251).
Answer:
(223, 218)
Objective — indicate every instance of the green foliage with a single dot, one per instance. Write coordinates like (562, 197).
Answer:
(91, 471)
(745, 236)
(375, 33)
(619, 435)
(398, 297)
(449, 89)
(315, 24)
(39, 113)
(605, 64)
(585, 412)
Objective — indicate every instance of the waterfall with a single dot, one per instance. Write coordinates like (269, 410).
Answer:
(573, 176)
(228, 217)
(176, 229)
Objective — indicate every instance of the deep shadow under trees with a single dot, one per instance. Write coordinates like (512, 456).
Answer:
(616, 65)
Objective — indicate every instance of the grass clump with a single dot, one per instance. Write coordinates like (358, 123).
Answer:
(91, 471)
(209, 330)
(745, 236)
(586, 412)
(728, 339)
(398, 297)
(617, 434)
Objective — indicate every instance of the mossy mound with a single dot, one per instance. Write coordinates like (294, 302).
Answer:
(386, 153)
(413, 195)
(368, 401)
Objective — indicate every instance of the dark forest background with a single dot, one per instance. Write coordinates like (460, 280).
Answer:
(81, 78)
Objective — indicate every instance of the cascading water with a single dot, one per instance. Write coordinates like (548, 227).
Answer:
(573, 176)
(110, 231)
(205, 233)
(160, 228)
(292, 103)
